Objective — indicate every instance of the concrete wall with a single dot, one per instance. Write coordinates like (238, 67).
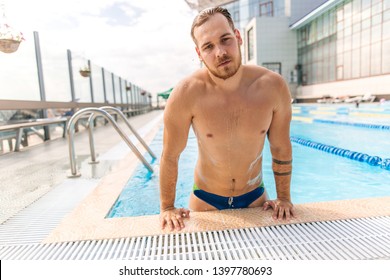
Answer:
(377, 85)
(274, 42)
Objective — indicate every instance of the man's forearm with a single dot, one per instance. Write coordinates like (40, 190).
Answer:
(282, 172)
(168, 179)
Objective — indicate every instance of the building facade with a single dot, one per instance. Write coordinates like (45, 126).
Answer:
(344, 49)
(269, 42)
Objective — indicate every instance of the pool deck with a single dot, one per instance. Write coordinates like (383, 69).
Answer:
(34, 188)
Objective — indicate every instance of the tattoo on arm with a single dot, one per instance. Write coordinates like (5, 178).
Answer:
(282, 173)
(282, 168)
(281, 161)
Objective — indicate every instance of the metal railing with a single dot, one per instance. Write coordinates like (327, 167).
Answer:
(123, 117)
(93, 112)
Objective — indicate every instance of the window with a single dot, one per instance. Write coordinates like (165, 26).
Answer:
(326, 24)
(339, 72)
(386, 56)
(365, 61)
(356, 63)
(376, 59)
(274, 66)
(356, 8)
(236, 16)
(251, 50)
(356, 40)
(376, 9)
(377, 19)
(267, 9)
(386, 4)
(386, 15)
(347, 65)
(376, 34)
(386, 30)
(320, 28)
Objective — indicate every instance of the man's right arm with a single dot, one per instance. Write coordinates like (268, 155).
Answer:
(177, 122)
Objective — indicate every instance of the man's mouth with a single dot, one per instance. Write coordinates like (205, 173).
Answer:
(223, 63)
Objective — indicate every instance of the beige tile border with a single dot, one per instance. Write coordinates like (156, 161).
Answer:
(87, 221)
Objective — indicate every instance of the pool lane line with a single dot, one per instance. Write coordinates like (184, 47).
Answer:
(369, 115)
(302, 119)
(371, 160)
(365, 125)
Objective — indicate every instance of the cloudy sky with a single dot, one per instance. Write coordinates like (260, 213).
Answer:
(146, 42)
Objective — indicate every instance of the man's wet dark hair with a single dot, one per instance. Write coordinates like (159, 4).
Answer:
(204, 15)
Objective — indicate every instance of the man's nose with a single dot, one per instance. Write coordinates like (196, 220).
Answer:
(221, 51)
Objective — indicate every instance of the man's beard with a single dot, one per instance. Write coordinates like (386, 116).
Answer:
(225, 72)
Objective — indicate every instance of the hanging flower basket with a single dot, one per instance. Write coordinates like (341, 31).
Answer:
(143, 92)
(8, 45)
(9, 39)
(128, 88)
(85, 72)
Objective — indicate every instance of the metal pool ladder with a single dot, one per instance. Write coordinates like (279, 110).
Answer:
(93, 113)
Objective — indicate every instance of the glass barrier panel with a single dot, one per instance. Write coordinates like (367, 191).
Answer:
(109, 89)
(97, 82)
(81, 79)
(18, 72)
(55, 70)
(118, 96)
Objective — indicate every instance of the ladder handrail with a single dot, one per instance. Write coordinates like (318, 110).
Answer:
(116, 111)
(120, 113)
(110, 119)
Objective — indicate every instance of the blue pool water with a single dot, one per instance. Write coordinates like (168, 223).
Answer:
(317, 175)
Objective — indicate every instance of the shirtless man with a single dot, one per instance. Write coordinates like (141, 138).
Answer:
(231, 107)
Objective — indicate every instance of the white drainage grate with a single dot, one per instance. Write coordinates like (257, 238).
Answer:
(361, 239)
(34, 223)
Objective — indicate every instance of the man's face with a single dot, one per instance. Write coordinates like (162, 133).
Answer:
(218, 46)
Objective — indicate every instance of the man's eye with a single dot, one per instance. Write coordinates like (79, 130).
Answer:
(208, 47)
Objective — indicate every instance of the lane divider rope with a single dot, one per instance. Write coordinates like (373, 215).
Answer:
(366, 125)
(371, 160)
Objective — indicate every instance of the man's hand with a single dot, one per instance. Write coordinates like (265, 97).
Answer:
(283, 209)
(173, 218)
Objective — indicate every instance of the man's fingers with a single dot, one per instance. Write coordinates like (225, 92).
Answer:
(181, 223)
(175, 223)
(288, 215)
(281, 213)
(184, 213)
(268, 204)
(292, 211)
(162, 223)
(276, 213)
(169, 224)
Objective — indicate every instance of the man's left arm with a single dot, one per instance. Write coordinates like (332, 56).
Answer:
(280, 144)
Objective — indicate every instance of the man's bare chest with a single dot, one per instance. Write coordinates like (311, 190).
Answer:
(240, 121)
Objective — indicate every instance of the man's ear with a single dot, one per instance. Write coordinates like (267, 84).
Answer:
(198, 52)
(238, 36)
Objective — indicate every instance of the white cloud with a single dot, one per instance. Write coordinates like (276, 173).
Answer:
(145, 42)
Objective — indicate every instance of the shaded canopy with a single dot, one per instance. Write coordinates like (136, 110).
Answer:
(165, 94)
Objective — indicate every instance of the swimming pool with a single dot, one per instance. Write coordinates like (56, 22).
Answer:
(317, 175)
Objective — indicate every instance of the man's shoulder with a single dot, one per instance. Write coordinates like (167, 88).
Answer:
(267, 82)
(259, 74)
(191, 84)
